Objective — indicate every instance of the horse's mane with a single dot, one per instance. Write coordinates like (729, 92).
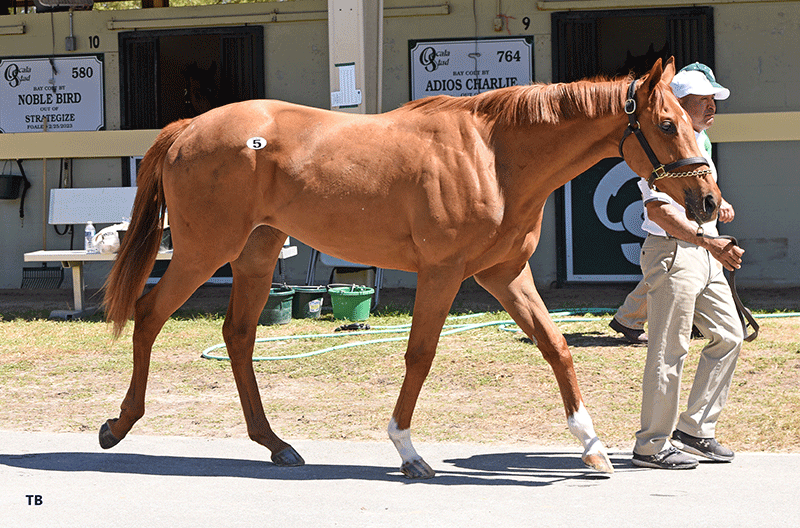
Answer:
(536, 103)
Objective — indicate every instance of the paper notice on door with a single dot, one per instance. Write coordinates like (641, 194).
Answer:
(347, 96)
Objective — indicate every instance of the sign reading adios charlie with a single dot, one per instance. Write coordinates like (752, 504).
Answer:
(468, 66)
(67, 92)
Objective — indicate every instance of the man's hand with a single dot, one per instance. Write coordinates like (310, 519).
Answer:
(726, 212)
(676, 225)
(725, 251)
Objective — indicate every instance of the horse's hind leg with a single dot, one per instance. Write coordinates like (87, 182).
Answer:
(151, 312)
(517, 293)
(252, 279)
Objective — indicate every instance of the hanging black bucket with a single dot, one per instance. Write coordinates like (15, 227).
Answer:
(10, 186)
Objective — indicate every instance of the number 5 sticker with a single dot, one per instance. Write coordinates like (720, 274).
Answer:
(256, 143)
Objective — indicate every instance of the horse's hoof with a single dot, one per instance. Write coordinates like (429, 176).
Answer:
(107, 438)
(287, 457)
(417, 469)
(598, 461)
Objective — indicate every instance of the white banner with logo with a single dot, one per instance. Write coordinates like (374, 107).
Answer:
(469, 66)
(66, 92)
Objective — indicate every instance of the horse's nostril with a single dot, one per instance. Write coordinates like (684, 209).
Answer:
(709, 205)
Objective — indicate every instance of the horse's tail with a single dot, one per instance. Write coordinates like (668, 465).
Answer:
(139, 247)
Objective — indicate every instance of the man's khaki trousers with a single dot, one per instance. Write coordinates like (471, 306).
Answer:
(684, 284)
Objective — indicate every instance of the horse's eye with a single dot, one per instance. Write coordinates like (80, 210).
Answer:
(668, 127)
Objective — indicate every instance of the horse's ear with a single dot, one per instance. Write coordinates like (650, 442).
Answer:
(653, 77)
(669, 70)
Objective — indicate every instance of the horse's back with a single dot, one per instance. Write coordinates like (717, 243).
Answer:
(328, 178)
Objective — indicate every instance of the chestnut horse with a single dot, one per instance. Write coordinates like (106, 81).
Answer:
(449, 188)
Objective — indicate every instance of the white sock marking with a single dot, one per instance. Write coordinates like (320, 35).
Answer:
(402, 442)
(580, 425)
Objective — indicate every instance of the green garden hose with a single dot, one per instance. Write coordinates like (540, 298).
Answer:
(559, 316)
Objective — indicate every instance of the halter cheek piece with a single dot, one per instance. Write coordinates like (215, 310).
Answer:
(659, 169)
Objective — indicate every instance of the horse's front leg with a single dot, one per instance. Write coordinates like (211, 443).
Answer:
(517, 293)
(436, 290)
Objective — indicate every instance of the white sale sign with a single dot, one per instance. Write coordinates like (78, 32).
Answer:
(469, 66)
(64, 92)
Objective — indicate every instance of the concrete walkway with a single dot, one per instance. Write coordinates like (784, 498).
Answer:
(66, 480)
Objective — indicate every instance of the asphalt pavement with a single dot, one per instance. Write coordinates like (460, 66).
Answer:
(66, 480)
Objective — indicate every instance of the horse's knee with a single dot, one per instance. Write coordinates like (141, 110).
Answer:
(555, 351)
(420, 355)
(418, 359)
(229, 331)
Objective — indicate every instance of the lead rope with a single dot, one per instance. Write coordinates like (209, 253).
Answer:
(745, 316)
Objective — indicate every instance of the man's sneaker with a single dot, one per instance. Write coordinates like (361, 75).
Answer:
(637, 337)
(704, 447)
(669, 458)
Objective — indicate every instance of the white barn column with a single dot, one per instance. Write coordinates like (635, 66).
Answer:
(355, 43)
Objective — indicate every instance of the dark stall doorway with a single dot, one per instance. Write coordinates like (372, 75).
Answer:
(171, 74)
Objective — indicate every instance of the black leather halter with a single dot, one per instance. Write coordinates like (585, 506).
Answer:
(659, 169)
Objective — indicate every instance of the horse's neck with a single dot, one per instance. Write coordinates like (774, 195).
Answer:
(551, 155)
(533, 163)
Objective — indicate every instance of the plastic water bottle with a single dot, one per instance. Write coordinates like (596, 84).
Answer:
(88, 243)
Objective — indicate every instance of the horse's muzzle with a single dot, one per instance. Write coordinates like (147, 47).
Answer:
(700, 207)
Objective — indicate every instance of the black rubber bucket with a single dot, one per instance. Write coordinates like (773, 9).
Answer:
(307, 301)
(279, 306)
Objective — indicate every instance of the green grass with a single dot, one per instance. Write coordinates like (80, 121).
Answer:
(485, 385)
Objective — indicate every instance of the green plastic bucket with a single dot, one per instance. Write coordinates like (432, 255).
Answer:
(279, 306)
(351, 302)
(307, 301)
